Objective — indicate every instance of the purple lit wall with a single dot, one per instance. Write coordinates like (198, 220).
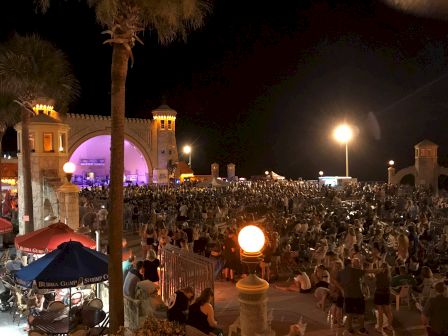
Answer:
(93, 155)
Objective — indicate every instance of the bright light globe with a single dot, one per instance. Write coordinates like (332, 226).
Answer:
(343, 133)
(69, 168)
(251, 239)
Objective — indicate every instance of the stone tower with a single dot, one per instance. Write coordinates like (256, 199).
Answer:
(426, 163)
(215, 170)
(48, 143)
(231, 172)
(163, 142)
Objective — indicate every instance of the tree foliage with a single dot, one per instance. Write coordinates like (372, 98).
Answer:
(31, 67)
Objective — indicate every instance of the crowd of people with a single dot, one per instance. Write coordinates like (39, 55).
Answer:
(342, 244)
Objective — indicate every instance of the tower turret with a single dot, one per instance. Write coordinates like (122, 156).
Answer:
(163, 141)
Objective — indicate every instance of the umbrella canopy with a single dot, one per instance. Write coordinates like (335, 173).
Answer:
(70, 265)
(5, 226)
(49, 238)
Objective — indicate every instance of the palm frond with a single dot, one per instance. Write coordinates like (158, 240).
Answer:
(32, 68)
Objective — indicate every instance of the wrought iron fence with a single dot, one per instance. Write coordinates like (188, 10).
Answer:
(180, 269)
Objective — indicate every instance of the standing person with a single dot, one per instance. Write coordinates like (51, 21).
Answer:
(178, 305)
(151, 264)
(349, 281)
(134, 276)
(201, 314)
(381, 297)
(434, 316)
(265, 264)
(231, 258)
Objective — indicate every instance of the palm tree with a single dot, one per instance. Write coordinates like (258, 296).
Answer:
(124, 20)
(9, 116)
(31, 68)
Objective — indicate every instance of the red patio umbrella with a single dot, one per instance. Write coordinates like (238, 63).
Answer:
(49, 238)
(5, 226)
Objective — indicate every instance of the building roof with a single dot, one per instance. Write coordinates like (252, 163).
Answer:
(426, 143)
(45, 119)
(164, 110)
(183, 168)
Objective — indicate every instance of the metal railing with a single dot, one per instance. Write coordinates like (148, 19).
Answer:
(180, 269)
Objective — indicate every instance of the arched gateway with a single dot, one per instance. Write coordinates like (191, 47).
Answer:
(85, 139)
(149, 145)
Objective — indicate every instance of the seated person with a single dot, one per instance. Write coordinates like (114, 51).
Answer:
(402, 279)
(127, 265)
(202, 316)
(132, 278)
(178, 305)
(14, 264)
(302, 284)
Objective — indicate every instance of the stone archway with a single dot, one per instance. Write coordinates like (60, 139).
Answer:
(408, 179)
(99, 144)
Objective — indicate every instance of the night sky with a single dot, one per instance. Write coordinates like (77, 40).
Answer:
(263, 83)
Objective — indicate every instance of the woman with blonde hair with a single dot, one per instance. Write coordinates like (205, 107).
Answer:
(350, 240)
(336, 296)
(403, 247)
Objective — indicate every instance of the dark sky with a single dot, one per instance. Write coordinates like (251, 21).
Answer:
(263, 82)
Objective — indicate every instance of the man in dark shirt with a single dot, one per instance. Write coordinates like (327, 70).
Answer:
(178, 305)
(349, 282)
(434, 315)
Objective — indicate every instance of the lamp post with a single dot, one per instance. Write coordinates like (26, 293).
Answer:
(252, 289)
(68, 195)
(391, 172)
(321, 173)
(343, 134)
(187, 150)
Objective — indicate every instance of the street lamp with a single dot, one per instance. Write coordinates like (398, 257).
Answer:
(321, 173)
(187, 150)
(252, 289)
(69, 168)
(391, 162)
(343, 134)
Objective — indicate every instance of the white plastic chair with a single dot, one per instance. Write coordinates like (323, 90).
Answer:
(403, 295)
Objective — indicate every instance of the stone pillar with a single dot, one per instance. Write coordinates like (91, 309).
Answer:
(253, 306)
(215, 170)
(390, 175)
(230, 172)
(68, 195)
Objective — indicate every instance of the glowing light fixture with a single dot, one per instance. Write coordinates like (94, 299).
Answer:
(187, 150)
(391, 162)
(343, 134)
(251, 239)
(321, 173)
(69, 168)
(42, 107)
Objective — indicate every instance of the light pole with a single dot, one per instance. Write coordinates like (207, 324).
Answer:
(343, 134)
(252, 289)
(187, 150)
(321, 173)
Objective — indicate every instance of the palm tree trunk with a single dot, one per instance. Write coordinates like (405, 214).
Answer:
(2, 133)
(119, 70)
(26, 171)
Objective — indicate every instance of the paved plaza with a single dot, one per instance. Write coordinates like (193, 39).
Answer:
(286, 307)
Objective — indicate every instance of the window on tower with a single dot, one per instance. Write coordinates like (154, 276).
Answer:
(170, 124)
(48, 142)
(162, 124)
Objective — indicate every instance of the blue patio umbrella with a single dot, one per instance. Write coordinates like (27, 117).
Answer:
(70, 265)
